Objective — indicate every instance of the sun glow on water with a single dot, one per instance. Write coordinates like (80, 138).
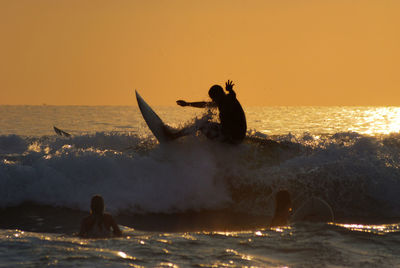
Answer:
(376, 229)
(122, 254)
(379, 120)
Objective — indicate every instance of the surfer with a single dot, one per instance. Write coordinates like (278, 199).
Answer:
(232, 127)
(283, 207)
(99, 223)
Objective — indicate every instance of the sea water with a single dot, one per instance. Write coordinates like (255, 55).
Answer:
(195, 202)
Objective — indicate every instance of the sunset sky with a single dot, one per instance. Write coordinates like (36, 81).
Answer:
(278, 52)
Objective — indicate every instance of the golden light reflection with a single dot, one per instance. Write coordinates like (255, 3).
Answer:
(242, 256)
(35, 147)
(125, 256)
(233, 234)
(379, 120)
(121, 254)
(281, 229)
(188, 237)
(47, 238)
(164, 241)
(227, 233)
(258, 233)
(231, 251)
(168, 264)
(375, 229)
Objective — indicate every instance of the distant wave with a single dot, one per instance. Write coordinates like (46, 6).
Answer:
(357, 175)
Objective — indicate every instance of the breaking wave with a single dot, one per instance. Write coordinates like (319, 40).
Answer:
(357, 175)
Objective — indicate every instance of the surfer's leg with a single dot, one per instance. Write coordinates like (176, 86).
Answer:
(211, 130)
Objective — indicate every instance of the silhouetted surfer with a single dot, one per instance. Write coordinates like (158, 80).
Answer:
(232, 127)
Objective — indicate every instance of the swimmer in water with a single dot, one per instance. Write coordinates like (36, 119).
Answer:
(99, 223)
(283, 207)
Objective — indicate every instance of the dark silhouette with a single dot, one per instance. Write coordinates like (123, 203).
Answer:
(283, 206)
(99, 223)
(61, 132)
(232, 127)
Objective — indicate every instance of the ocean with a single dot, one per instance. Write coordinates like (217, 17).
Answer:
(195, 202)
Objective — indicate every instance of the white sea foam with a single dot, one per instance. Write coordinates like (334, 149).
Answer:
(165, 178)
(349, 171)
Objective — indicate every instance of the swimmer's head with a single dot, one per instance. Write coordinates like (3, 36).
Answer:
(216, 93)
(283, 201)
(97, 205)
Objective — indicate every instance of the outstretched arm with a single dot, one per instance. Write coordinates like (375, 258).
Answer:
(229, 87)
(197, 104)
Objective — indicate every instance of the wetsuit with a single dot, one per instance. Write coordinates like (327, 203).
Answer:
(233, 119)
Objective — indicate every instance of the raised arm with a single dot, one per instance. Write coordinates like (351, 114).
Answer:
(229, 87)
(197, 104)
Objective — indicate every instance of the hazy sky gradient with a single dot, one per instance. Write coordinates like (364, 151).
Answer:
(281, 52)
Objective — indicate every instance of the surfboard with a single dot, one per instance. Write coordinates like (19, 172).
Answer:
(61, 132)
(313, 209)
(153, 121)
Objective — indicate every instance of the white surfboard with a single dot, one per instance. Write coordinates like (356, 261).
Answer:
(313, 209)
(153, 121)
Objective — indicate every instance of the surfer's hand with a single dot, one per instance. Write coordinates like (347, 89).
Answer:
(229, 85)
(181, 102)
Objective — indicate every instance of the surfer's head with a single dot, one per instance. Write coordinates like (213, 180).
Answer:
(97, 205)
(282, 202)
(216, 93)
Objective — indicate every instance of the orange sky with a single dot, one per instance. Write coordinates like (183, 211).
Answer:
(283, 52)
